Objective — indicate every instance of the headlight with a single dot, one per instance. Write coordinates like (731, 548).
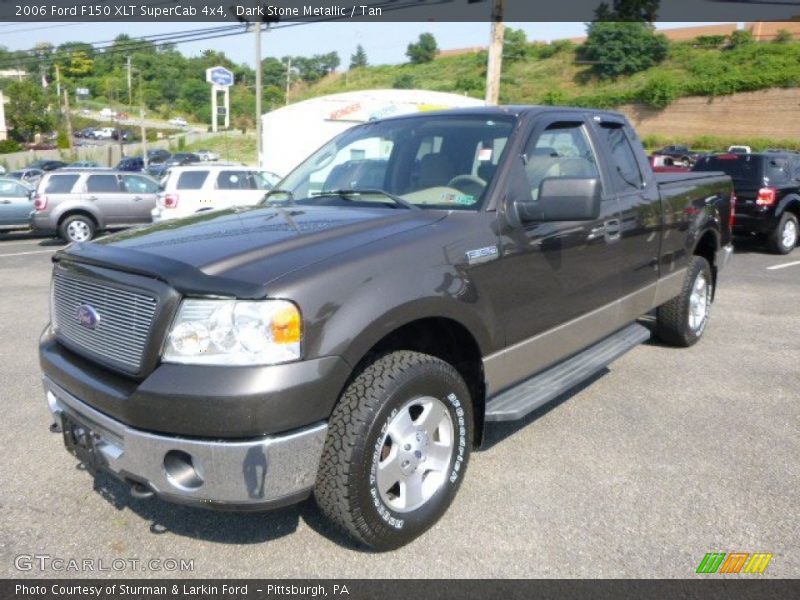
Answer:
(234, 332)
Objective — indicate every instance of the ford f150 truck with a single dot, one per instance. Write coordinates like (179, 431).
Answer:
(414, 279)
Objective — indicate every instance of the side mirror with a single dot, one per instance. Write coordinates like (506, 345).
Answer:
(562, 199)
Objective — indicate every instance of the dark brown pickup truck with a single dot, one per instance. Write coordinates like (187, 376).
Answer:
(414, 279)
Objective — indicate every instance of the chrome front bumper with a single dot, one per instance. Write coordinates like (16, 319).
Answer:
(251, 474)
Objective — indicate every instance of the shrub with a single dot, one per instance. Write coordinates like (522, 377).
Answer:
(404, 82)
(8, 146)
(660, 91)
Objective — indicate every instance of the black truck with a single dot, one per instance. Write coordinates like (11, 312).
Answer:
(414, 279)
(767, 187)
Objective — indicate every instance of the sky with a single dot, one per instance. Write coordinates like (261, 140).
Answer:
(385, 43)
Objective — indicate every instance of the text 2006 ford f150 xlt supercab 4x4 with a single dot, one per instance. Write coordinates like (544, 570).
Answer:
(413, 279)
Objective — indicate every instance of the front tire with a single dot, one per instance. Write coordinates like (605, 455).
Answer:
(682, 320)
(397, 449)
(784, 238)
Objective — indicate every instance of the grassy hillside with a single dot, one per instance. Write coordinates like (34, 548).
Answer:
(552, 75)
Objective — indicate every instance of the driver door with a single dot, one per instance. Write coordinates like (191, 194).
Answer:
(562, 276)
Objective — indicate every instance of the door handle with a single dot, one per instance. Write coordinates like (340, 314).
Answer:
(93, 198)
(137, 198)
(610, 230)
(5, 201)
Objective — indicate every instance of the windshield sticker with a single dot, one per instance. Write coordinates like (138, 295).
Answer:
(453, 198)
(485, 154)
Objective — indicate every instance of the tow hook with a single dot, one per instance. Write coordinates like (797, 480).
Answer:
(140, 491)
(55, 428)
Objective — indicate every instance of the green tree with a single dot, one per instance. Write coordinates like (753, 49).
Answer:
(27, 111)
(783, 36)
(359, 58)
(623, 48)
(628, 10)
(515, 45)
(424, 50)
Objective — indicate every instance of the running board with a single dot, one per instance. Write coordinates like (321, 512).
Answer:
(532, 393)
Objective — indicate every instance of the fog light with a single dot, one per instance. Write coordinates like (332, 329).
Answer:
(180, 470)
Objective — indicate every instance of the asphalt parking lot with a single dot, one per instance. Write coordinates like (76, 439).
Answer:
(665, 456)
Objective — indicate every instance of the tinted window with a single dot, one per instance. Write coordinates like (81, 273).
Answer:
(234, 180)
(777, 169)
(60, 184)
(628, 175)
(138, 185)
(561, 150)
(102, 184)
(745, 168)
(191, 180)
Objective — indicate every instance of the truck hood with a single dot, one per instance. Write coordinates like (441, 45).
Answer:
(203, 254)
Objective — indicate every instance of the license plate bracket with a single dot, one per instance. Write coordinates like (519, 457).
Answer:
(82, 442)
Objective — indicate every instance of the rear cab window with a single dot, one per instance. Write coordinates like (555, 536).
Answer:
(625, 168)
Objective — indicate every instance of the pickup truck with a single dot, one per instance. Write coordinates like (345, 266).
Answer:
(352, 335)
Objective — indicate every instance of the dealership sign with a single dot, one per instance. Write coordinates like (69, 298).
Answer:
(219, 76)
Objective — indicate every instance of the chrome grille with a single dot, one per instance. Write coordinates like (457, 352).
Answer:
(121, 331)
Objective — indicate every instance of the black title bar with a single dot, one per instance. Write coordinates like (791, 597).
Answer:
(273, 11)
(734, 588)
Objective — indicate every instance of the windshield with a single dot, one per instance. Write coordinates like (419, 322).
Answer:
(432, 162)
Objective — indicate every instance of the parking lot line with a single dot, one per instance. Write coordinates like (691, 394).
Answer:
(31, 252)
(783, 266)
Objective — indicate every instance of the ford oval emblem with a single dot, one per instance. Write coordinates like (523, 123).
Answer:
(87, 316)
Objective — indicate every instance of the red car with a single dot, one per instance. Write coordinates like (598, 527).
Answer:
(666, 164)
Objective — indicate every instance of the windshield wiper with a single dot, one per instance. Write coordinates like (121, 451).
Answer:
(345, 193)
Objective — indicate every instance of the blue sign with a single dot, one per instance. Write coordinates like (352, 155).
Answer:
(219, 76)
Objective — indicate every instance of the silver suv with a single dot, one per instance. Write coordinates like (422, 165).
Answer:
(76, 204)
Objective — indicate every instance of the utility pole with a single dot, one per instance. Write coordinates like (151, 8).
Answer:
(495, 62)
(130, 89)
(58, 82)
(288, 79)
(141, 122)
(259, 92)
(67, 117)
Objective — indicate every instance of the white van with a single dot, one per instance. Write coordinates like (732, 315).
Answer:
(191, 189)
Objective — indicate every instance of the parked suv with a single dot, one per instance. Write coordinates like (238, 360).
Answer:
(767, 192)
(76, 204)
(191, 189)
(131, 163)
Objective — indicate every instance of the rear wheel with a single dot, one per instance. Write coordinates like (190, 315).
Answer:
(682, 320)
(397, 448)
(784, 238)
(77, 228)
